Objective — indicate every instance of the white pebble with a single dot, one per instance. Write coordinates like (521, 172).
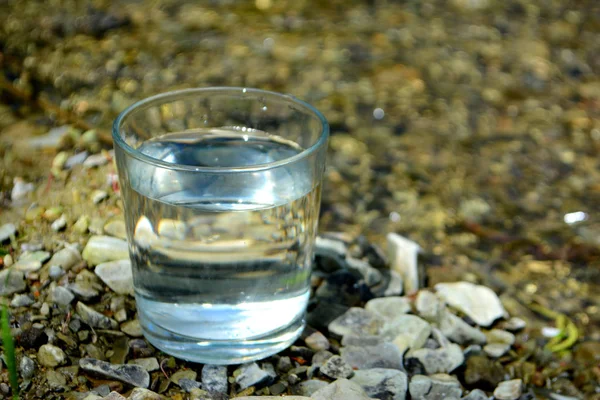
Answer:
(59, 224)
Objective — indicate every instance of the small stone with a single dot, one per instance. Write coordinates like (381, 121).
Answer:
(335, 367)
(317, 341)
(444, 359)
(94, 319)
(389, 308)
(8, 260)
(496, 350)
(500, 336)
(330, 247)
(21, 300)
(114, 396)
(366, 340)
(45, 309)
(483, 372)
(320, 357)
(62, 296)
(274, 398)
(52, 213)
(307, 388)
(395, 286)
(55, 379)
(478, 302)
(457, 330)
(121, 315)
(509, 390)
(435, 387)
(515, 324)
(371, 275)
(384, 355)
(37, 255)
(341, 389)
(476, 394)
(132, 328)
(98, 195)
(382, 383)
(20, 190)
(130, 374)
(55, 272)
(101, 249)
(51, 356)
(59, 224)
(402, 254)
(27, 266)
(407, 331)
(356, 321)
(84, 290)
(187, 374)
(117, 275)
(278, 388)
(116, 228)
(429, 306)
(95, 160)
(7, 231)
(150, 364)
(32, 337)
(27, 367)
(188, 384)
(144, 394)
(214, 378)
(82, 224)
(76, 159)
(252, 375)
(285, 364)
(65, 258)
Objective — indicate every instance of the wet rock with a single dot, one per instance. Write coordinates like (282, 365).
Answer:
(429, 306)
(403, 259)
(94, 319)
(116, 228)
(62, 296)
(442, 360)
(150, 364)
(117, 275)
(100, 249)
(252, 375)
(483, 373)
(143, 394)
(188, 384)
(65, 258)
(458, 331)
(478, 302)
(7, 231)
(335, 367)
(382, 383)
(307, 388)
(51, 356)
(132, 328)
(27, 367)
(21, 300)
(476, 394)
(509, 390)
(357, 321)
(435, 387)
(389, 308)
(317, 341)
(384, 355)
(341, 389)
(11, 281)
(133, 375)
(214, 378)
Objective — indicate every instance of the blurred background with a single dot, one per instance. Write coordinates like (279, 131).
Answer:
(470, 126)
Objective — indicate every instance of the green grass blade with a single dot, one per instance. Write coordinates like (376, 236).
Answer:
(9, 352)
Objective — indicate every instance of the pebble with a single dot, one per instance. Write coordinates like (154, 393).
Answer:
(252, 375)
(402, 254)
(476, 394)
(435, 387)
(8, 260)
(382, 383)
(11, 281)
(59, 224)
(65, 258)
(82, 224)
(442, 360)
(27, 266)
(98, 195)
(94, 319)
(76, 159)
(384, 355)
(317, 341)
(285, 364)
(429, 306)
(371, 275)
(36, 255)
(458, 331)
(272, 398)
(117, 275)
(515, 324)
(479, 303)
(407, 331)
(95, 160)
(130, 374)
(335, 367)
(6, 231)
(184, 374)
(21, 300)
(55, 379)
(84, 290)
(121, 315)
(307, 388)
(143, 394)
(27, 367)
(188, 384)
(496, 350)
(150, 364)
(55, 272)
(389, 307)
(214, 378)
(116, 228)
(509, 390)
(341, 389)
(51, 356)
(395, 286)
(357, 321)
(61, 295)
(114, 396)
(500, 336)
(482, 372)
(20, 189)
(330, 247)
(45, 309)
(132, 328)
(101, 249)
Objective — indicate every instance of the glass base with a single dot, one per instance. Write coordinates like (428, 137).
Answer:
(222, 352)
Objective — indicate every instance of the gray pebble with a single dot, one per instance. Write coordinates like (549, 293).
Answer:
(214, 378)
(371, 275)
(21, 300)
(407, 331)
(435, 387)
(476, 394)
(55, 379)
(117, 275)
(95, 319)
(384, 355)
(356, 321)
(284, 364)
(317, 341)
(62, 296)
(389, 307)
(515, 324)
(509, 390)
(252, 375)
(186, 373)
(382, 383)
(444, 359)
(65, 258)
(429, 306)
(132, 328)
(188, 384)
(479, 303)
(27, 367)
(55, 272)
(341, 389)
(500, 336)
(335, 367)
(330, 247)
(150, 364)
(51, 356)
(84, 290)
(320, 357)
(496, 350)
(144, 394)
(76, 159)
(130, 374)
(6, 231)
(307, 388)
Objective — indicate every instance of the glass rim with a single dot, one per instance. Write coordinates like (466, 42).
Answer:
(172, 95)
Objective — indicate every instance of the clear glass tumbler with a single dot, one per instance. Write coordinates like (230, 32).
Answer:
(221, 190)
